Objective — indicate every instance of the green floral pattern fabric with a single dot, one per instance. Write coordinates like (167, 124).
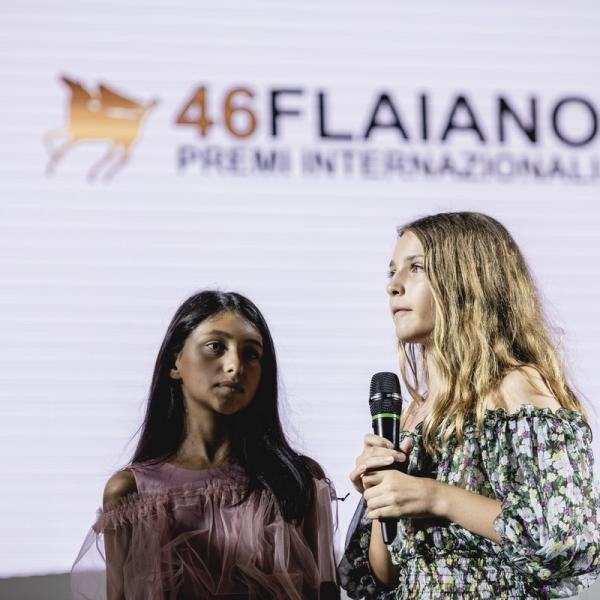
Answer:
(539, 464)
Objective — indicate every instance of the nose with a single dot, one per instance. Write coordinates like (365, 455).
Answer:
(233, 363)
(394, 286)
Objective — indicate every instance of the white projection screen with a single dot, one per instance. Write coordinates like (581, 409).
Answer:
(270, 148)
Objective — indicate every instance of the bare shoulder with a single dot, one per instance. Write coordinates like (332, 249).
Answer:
(121, 484)
(522, 386)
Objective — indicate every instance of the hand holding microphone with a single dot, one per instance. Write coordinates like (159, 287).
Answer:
(380, 473)
(382, 450)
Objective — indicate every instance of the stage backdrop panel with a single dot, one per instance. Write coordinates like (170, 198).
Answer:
(152, 149)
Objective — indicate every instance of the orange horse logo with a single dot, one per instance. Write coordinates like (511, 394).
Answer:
(98, 115)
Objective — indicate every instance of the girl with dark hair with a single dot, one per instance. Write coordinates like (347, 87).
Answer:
(499, 500)
(215, 502)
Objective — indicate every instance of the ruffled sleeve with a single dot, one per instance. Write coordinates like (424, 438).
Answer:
(318, 529)
(355, 572)
(540, 466)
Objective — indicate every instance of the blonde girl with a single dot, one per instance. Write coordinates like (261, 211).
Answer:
(507, 507)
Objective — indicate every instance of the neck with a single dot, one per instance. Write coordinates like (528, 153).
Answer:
(418, 410)
(206, 441)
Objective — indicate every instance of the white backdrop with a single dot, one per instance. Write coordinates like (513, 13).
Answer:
(382, 112)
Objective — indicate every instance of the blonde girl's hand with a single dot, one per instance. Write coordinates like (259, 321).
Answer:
(377, 452)
(395, 494)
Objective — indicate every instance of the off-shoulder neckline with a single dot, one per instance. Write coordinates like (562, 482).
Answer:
(529, 409)
(216, 468)
(226, 468)
(493, 415)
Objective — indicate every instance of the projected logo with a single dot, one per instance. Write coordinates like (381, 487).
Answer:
(367, 134)
(101, 115)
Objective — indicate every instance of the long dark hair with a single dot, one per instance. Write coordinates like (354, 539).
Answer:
(257, 440)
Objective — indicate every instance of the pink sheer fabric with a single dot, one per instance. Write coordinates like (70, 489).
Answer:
(181, 537)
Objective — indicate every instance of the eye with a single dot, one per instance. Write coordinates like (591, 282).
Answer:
(215, 346)
(416, 268)
(391, 274)
(251, 354)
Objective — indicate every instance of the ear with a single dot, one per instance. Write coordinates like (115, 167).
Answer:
(174, 372)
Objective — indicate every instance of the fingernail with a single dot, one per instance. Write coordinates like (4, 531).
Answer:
(400, 456)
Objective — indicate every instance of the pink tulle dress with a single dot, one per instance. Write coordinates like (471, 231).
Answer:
(182, 537)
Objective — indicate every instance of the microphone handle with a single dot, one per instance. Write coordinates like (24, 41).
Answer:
(388, 427)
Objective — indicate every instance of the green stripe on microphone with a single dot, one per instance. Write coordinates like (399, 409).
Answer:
(389, 415)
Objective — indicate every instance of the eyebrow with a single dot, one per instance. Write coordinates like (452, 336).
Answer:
(229, 337)
(407, 259)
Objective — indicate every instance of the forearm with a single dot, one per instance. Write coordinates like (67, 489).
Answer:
(469, 510)
(379, 558)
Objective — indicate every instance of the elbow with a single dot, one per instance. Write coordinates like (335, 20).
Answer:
(389, 580)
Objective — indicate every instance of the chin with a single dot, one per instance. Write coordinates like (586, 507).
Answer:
(231, 409)
(406, 337)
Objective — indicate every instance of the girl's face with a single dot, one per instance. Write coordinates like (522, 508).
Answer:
(220, 363)
(411, 300)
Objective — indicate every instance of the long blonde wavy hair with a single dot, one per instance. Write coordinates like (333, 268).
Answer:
(488, 321)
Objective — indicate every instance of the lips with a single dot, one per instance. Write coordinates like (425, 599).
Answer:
(230, 385)
(400, 309)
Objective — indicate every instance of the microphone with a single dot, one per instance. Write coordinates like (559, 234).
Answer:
(385, 402)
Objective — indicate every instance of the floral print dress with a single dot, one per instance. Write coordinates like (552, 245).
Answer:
(539, 464)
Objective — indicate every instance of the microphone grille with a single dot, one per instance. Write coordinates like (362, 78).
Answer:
(384, 383)
(384, 395)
